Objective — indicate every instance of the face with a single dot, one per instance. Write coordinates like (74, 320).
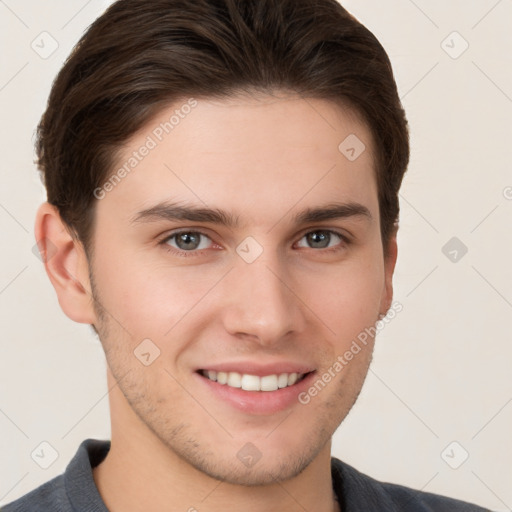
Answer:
(242, 245)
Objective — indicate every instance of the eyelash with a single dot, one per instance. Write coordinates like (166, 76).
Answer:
(193, 253)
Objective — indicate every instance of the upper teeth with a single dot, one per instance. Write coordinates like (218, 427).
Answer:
(253, 382)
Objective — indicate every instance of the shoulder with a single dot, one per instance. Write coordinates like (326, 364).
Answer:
(358, 490)
(49, 496)
(71, 491)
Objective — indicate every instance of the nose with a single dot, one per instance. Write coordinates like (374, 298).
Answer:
(260, 302)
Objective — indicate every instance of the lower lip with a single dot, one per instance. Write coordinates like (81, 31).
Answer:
(258, 402)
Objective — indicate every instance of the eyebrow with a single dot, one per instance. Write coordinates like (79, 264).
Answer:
(166, 211)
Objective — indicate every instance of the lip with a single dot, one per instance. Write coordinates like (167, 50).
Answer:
(259, 370)
(255, 402)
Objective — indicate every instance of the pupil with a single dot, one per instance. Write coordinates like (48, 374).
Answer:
(319, 237)
(185, 239)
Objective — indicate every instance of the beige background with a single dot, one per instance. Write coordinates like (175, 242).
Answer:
(442, 367)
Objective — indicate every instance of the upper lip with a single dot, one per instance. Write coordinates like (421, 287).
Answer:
(259, 369)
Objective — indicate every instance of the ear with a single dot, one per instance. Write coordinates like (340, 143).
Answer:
(390, 257)
(65, 263)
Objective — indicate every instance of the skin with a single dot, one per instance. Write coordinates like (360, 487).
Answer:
(174, 447)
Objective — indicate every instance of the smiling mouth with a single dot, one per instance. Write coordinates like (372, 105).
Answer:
(249, 382)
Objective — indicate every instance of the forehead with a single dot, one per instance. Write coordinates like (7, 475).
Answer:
(256, 156)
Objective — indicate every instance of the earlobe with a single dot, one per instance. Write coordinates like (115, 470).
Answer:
(65, 263)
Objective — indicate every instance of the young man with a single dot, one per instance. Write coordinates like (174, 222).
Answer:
(222, 182)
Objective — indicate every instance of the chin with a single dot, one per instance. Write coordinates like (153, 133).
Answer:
(261, 473)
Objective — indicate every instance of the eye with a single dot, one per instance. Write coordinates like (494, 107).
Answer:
(322, 238)
(187, 241)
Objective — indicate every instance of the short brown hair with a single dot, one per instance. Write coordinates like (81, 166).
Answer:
(140, 56)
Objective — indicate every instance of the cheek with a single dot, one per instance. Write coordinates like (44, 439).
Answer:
(148, 299)
(350, 301)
